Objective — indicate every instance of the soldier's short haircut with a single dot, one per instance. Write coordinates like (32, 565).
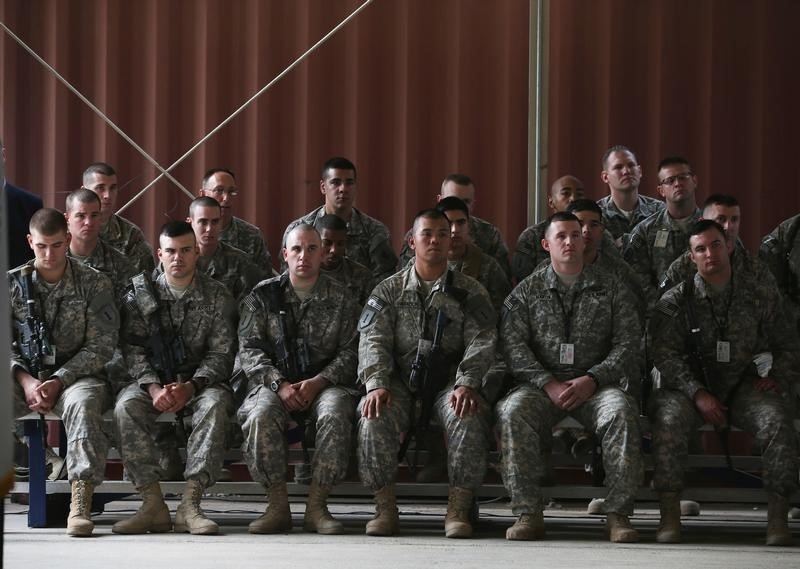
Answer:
(81, 196)
(673, 161)
(331, 222)
(458, 179)
(338, 163)
(48, 221)
(207, 176)
(202, 201)
(451, 203)
(429, 213)
(615, 148)
(303, 227)
(559, 216)
(585, 204)
(703, 225)
(720, 199)
(175, 228)
(101, 168)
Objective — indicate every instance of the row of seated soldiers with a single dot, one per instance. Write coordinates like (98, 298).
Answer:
(314, 347)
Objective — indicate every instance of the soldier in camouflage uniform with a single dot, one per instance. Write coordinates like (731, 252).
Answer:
(530, 252)
(624, 208)
(484, 235)
(738, 318)
(335, 263)
(780, 251)
(194, 315)
(368, 240)
(77, 305)
(570, 336)
(222, 262)
(121, 234)
(662, 237)
(318, 336)
(398, 321)
(220, 184)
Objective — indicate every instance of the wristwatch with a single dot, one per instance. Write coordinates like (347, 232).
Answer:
(275, 385)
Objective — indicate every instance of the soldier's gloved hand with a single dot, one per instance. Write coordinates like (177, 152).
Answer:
(290, 396)
(766, 384)
(376, 400)
(711, 408)
(464, 400)
(48, 394)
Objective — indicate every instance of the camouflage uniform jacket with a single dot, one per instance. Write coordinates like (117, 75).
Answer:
(203, 317)
(529, 253)
(248, 238)
(368, 242)
(325, 321)
(485, 236)
(618, 224)
(82, 319)
(115, 265)
(748, 314)
(780, 251)
(604, 329)
(653, 245)
(354, 276)
(487, 271)
(128, 239)
(399, 313)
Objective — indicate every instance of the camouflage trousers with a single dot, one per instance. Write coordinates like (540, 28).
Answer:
(81, 407)
(264, 422)
(525, 420)
(135, 421)
(765, 415)
(467, 440)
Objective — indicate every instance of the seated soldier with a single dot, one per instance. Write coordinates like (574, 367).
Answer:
(354, 276)
(706, 333)
(179, 341)
(80, 321)
(425, 313)
(570, 335)
(297, 337)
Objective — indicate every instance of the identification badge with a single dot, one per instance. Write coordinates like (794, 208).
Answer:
(724, 352)
(50, 359)
(661, 238)
(567, 355)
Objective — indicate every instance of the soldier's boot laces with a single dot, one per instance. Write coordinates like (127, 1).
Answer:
(153, 515)
(777, 520)
(669, 530)
(387, 518)
(317, 517)
(79, 522)
(456, 522)
(528, 527)
(190, 516)
(278, 517)
(620, 529)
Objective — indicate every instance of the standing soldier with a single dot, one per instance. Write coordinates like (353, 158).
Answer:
(179, 342)
(427, 333)
(570, 336)
(75, 318)
(298, 348)
(707, 332)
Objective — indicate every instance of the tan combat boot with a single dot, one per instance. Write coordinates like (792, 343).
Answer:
(153, 516)
(79, 522)
(669, 531)
(456, 522)
(318, 518)
(190, 516)
(777, 520)
(528, 527)
(620, 529)
(278, 517)
(387, 518)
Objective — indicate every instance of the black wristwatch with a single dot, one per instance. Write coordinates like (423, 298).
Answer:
(275, 385)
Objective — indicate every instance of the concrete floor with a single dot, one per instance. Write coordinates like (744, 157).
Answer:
(721, 537)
